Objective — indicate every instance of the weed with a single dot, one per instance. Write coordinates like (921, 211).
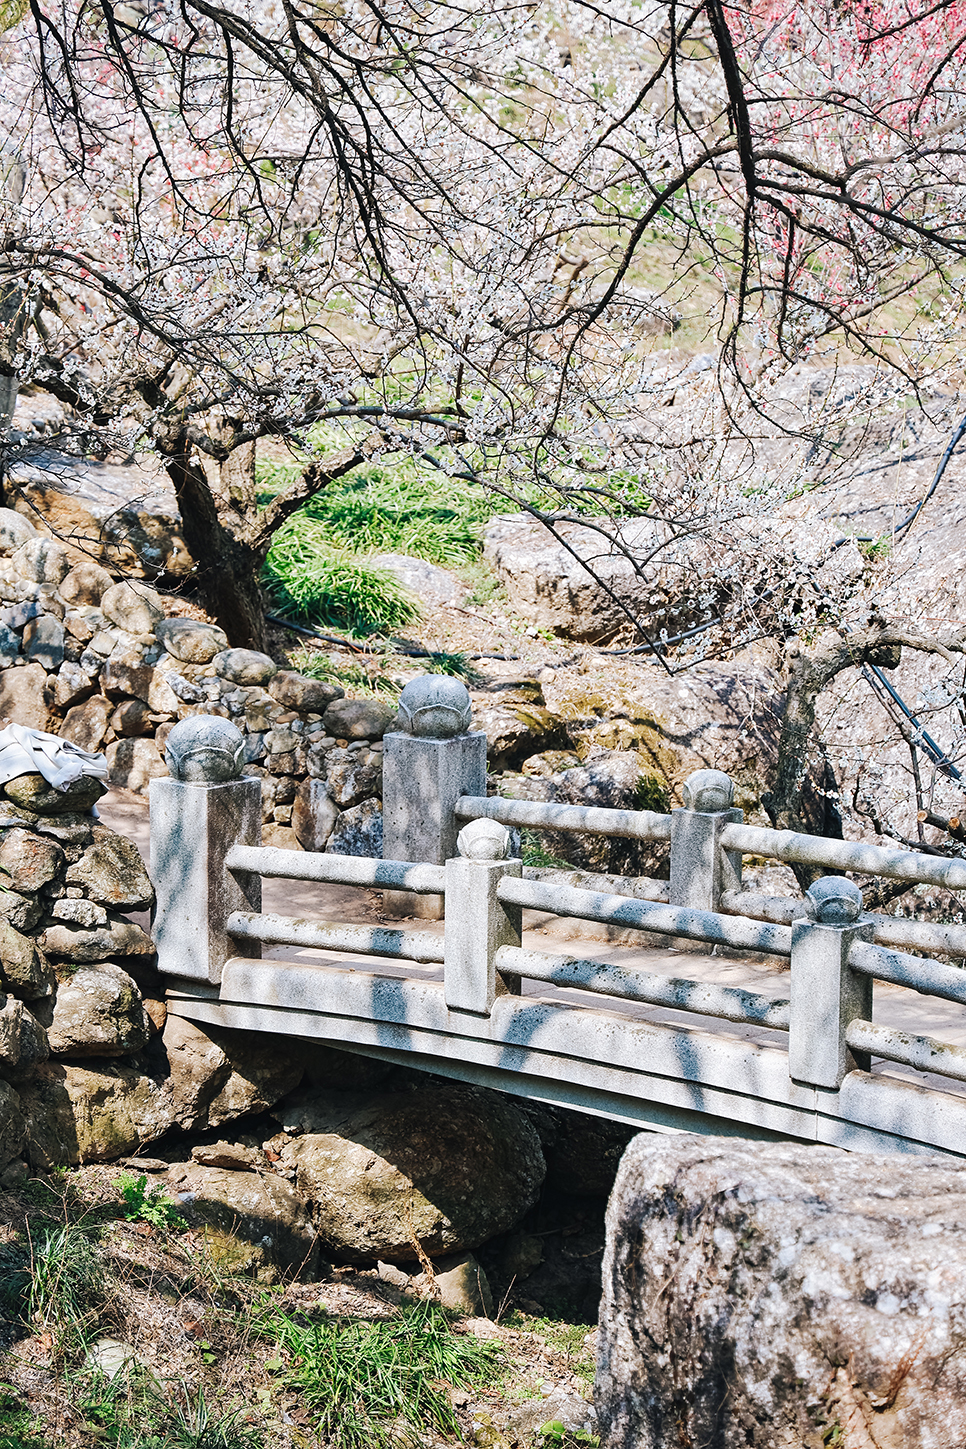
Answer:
(354, 678)
(875, 549)
(130, 1411)
(66, 1278)
(145, 1205)
(17, 1424)
(535, 853)
(566, 1338)
(369, 1385)
(456, 664)
(555, 1435)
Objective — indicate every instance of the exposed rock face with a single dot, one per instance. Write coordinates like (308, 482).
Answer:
(91, 1113)
(13, 1124)
(451, 1166)
(782, 1297)
(253, 1223)
(112, 873)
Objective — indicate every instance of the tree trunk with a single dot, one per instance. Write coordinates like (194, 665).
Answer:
(227, 566)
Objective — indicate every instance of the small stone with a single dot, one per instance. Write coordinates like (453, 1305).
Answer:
(80, 913)
(43, 642)
(41, 561)
(232, 1156)
(349, 781)
(112, 873)
(300, 692)
(282, 837)
(27, 861)
(463, 1287)
(76, 943)
(190, 640)
(132, 606)
(132, 717)
(21, 912)
(85, 583)
(15, 616)
(313, 815)
(85, 725)
(70, 685)
(14, 531)
(79, 627)
(33, 792)
(358, 719)
(358, 831)
(126, 674)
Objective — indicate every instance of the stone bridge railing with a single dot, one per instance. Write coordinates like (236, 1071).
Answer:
(805, 1069)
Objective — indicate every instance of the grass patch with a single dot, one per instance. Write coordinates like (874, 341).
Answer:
(535, 853)
(566, 1338)
(357, 680)
(369, 1385)
(306, 581)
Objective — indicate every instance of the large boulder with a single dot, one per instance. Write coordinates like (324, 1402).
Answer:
(447, 1166)
(766, 1296)
(252, 1223)
(217, 1075)
(91, 1112)
(98, 1012)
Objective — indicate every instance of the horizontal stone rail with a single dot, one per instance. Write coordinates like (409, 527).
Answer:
(816, 850)
(727, 1003)
(336, 936)
(924, 1053)
(401, 875)
(918, 973)
(585, 819)
(710, 927)
(886, 930)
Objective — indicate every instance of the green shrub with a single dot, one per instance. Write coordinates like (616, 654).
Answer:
(145, 1205)
(305, 580)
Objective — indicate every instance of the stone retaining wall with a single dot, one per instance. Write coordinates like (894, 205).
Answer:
(104, 665)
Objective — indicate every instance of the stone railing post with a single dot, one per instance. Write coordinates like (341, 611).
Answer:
(700, 869)
(825, 993)
(197, 815)
(426, 766)
(477, 921)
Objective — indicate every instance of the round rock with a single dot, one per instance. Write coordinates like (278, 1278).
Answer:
(435, 706)
(14, 530)
(42, 561)
(301, 692)
(205, 750)
(86, 583)
(358, 719)
(133, 607)
(190, 640)
(244, 666)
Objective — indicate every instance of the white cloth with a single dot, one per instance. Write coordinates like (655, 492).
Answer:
(32, 752)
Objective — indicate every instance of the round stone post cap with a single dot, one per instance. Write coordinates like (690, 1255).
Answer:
(435, 707)
(709, 791)
(205, 750)
(484, 840)
(834, 901)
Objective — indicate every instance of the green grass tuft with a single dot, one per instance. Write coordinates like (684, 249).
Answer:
(369, 1385)
(305, 580)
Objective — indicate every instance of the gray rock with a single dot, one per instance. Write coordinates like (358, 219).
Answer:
(132, 718)
(112, 873)
(24, 971)
(15, 616)
(27, 860)
(98, 1012)
(350, 781)
(86, 724)
(191, 640)
(23, 1041)
(13, 1123)
(564, 1406)
(22, 697)
(450, 1165)
(79, 912)
(78, 1113)
(313, 815)
(358, 719)
(244, 666)
(358, 831)
(41, 561)
(218, 1075)
(66, 941)
(299, 691)
(21, 912)
(126, 673)
(253, 1224)
(43, 642)
(463, 1287)
(771, 1296)
(9, 645)
(430, 584)
(70, 686)
(34, 793)
(86, 583)
(133, 607)
(14, 531)
(133, 764)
